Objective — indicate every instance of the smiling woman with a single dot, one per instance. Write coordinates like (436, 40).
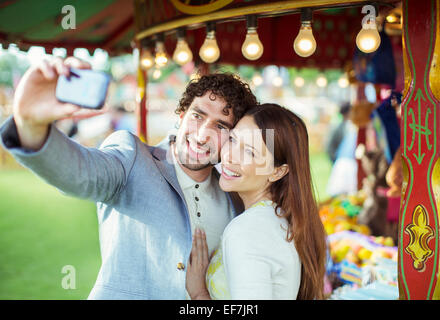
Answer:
(276, 248)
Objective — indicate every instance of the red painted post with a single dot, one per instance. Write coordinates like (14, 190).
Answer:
(420, 138)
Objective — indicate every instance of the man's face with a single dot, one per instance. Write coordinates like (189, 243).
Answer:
(204, 127)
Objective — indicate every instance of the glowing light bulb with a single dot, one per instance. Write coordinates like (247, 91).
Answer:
(157, 74)
(252, 47)
(161, 58)
(194, 76)
(257, 80)
(321, 81)
(305, 44)
(183, 54)
(147, 59)
(210, 52)
(343, 82)
(299, 82)
(368, 39)
(277, 81)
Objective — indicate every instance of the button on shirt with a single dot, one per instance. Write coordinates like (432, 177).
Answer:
(208, 206)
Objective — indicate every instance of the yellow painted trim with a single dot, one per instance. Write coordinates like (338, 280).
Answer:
(200, 9)
(434, 71)
(436, 190)
(264, 8)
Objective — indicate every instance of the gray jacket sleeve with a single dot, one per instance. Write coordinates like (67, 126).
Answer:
(89, 173)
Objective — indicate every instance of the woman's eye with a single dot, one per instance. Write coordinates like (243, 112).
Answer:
(197, 116)
(249, 152)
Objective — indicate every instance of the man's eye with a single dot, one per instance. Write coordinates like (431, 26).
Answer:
(197, 116)
(222, 127)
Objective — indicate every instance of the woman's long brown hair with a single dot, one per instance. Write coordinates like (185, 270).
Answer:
(294, 193)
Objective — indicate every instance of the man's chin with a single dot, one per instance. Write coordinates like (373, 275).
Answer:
(197, 166)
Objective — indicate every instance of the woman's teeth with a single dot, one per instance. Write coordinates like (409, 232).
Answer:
(230, 173)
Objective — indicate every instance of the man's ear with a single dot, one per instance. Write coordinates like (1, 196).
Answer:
(181, 116)
(279, 172)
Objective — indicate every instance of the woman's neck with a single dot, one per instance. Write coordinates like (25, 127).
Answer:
(249, 199)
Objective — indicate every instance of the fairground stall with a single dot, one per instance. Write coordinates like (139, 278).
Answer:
(391, 44)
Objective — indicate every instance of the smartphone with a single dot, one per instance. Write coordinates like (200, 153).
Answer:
(85, 88)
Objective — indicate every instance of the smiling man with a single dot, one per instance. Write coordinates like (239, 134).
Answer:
(147, 207)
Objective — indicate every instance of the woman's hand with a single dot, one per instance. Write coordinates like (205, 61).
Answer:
(197, 266)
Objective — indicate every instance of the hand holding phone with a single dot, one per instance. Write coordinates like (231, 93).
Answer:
(85, 88)
(35, 102)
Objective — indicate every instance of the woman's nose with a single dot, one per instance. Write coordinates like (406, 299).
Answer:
(228, 152)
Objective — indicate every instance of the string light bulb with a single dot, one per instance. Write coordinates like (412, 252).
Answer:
(299, 82)
(147, 59)
(257, 80)
(305, 44)
(157, 73)
(182, 54)
(209, 52)
(252, 47)
(161, 58)
(343, 81)
(321, 81)
(368, 39)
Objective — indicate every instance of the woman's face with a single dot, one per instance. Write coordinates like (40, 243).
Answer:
(247, 163)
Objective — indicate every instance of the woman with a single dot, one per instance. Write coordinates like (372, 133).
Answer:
(276, 248)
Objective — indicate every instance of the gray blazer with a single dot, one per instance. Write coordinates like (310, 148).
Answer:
(144, 229)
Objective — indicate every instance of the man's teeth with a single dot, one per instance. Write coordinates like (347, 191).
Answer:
(198, 150)
(230, 173)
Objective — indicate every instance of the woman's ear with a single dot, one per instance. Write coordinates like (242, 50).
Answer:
(279, 172)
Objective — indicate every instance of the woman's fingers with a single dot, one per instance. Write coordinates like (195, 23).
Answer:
(204, 249)
(201, 247)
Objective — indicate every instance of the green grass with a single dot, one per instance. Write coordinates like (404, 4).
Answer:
(41, 231)
(321, 167)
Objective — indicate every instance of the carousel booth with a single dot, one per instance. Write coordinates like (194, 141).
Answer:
(383, 237)
(380, 246)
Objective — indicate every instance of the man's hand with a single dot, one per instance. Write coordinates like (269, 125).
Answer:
(197, 266)
(35, 104)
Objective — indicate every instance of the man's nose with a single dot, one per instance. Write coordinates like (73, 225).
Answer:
(203, 133)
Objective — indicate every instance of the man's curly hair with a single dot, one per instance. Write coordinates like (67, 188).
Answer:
(227, 86)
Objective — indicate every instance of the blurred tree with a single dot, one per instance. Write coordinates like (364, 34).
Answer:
(12, 67)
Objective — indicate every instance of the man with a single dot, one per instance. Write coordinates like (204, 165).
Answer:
(147, 206)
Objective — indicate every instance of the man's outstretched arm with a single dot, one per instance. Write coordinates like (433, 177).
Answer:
(96, 174)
